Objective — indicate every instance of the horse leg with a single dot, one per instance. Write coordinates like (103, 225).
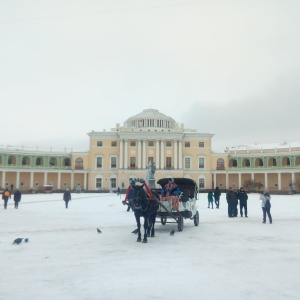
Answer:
(146, 220)
(153, 218)
(138, 223)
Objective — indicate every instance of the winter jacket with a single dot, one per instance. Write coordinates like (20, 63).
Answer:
(264, 198)
(210, 197)
(217, 194)
(4, 196)
(17, 196)
(67, 196)
(231, 197)
(242, 196)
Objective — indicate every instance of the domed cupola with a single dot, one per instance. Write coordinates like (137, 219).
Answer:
(150, 118)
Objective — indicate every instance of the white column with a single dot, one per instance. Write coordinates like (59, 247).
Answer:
(84, 181)
(252, 176)
(58, 180)
(139, 154)
(227, 181)
(293, 177)
(175, 155)
(31, 179)
(18, 180)
(215, 180)
(162, 157)
(144, 155)
(157, 155)
(180, 154)
(266, 181)
(126, 155)
(3, 180)
(72, 181)
(45, 178)
(240, 180)
(121, 154)
(279, 181)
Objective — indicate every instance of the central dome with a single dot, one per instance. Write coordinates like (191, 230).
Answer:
(150, 118)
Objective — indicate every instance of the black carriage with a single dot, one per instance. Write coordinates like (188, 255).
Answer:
(176, 208)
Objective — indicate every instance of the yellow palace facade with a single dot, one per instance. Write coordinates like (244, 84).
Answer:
(126, 151)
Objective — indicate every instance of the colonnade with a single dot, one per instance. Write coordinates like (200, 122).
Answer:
(45, 178)
(266, 183)
(142, 154)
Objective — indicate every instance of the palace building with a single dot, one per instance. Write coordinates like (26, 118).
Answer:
(150, 137)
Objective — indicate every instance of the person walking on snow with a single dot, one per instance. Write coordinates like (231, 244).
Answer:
(67, 197)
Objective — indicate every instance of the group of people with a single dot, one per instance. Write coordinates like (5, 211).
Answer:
(233, 197)
(240, 197)
(6, 195)
(211, 196)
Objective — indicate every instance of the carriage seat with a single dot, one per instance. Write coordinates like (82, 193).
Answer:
(185, 196)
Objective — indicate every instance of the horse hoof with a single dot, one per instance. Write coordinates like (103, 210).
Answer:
(139, 240)
(152, 235)
(145, 241)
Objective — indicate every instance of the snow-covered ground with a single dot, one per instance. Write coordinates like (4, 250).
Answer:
(222, 258)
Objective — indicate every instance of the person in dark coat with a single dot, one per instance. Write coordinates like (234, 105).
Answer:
(231, 200)
(67, 197)
(243, 197)
(217, 195)
(5, 196)
(236, 203)
(17, 198)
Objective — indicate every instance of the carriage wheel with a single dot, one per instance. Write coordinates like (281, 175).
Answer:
(163, 220)
(180, 223)
(196, 218)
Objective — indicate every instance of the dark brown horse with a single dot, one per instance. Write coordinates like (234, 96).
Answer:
(144, 203)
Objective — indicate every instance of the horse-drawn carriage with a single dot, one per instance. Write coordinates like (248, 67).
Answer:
(178, 207)
(150, 204)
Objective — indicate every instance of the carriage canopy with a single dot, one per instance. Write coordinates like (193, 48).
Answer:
(184, 184)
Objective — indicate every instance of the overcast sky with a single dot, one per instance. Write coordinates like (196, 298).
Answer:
(230, 68)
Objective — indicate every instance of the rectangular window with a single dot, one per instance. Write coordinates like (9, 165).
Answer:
(187, 162)
(132, 143)
(132, 162)
(201, 144)
(150, 143)
(201, 162)
(99, 162)
(113, 182)
(168, 144)
(201, 183)
(187, 145)
(114, 144)
(168, 163)
(113, 162)
(99, 144)
(98, 183)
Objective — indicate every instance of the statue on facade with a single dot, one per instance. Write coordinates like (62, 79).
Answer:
(150, 175)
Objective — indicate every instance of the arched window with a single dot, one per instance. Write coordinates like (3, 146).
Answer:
(66, 162)
(12, 160)
(25, 161)
(272, 162)
(220, 164)
(297, 161)
(52, 162)
(286, 161)
(246, 162)
(259, 162)
(39, 161)
(233, 163)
